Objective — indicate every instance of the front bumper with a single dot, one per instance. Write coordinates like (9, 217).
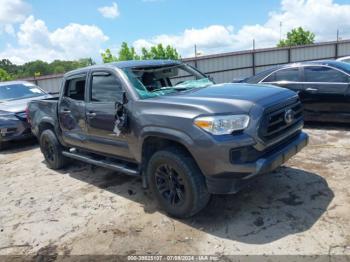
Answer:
(243, 173)
(12, 130)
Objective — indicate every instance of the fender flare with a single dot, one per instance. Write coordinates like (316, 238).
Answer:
(166, 133)
(52, 122)
(43, 120)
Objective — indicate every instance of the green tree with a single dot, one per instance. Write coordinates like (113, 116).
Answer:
(35, 68)
(59, 69)
(86, 62)
(62, 66)
(159, 52)
(10, 68)
(171, 53)
(145, 54)
(107, 56)
(297, 36)
(127, 53)
(42, 68)
(4, 76)
(59, 66)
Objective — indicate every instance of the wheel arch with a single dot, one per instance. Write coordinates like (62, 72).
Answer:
(155, 140)
(44, 125)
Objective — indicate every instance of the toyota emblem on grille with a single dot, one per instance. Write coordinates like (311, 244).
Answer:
(289, 116)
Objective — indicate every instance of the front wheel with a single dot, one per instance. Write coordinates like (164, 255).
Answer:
(177, 183)
(52, 150)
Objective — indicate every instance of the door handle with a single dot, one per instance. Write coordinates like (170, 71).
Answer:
(66, 111)
(91, 114)
(311, 90)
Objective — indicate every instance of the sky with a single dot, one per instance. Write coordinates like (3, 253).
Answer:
(49, 30)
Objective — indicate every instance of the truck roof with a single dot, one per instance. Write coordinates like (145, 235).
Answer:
(128, 64)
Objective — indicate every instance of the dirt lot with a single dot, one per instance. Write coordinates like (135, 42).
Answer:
(303, 208)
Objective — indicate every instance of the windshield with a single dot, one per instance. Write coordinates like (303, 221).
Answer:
(19, 91)
(162, 80)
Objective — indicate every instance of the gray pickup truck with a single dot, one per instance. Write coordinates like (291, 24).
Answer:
(170, 125)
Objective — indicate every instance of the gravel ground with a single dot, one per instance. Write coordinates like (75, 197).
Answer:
(302, 209)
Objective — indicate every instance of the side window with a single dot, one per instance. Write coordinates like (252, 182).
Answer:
(75, 88)
(105, 87)
(289, 74)
(324, 74)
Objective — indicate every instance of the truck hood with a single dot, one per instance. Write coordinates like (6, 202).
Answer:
(16, 106)
(226, 98)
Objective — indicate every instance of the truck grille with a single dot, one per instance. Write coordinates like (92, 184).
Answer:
(280, 119)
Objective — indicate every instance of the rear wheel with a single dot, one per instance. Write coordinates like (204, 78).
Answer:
(52, 150)
(177, 183)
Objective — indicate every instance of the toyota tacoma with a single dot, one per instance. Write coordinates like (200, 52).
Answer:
(167, 123)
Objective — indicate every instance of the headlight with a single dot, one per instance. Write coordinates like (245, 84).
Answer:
(222, 125)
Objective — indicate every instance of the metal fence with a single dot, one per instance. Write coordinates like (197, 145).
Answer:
(50, 83)
(228, 66)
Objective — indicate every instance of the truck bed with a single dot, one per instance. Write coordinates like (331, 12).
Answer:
(40, 111)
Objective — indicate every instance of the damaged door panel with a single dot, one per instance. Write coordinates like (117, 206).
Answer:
(105, 92)
(71, 110)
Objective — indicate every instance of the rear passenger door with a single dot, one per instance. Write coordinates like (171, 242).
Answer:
(71, 110)
(287, 78)
(105, 90)
(325, 91)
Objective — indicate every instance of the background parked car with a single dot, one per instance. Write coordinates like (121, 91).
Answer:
(344, 59)
(14, 97)
(323, 87)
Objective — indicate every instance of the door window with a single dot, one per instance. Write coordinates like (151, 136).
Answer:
(324, 74)
(105, 87)
(75, 88)
(289, 74)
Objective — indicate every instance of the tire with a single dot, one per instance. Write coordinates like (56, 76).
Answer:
(177, 183)
(52, 150)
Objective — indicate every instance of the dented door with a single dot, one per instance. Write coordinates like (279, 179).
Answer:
(105, 92)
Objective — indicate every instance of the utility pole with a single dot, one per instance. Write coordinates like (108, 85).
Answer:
(195, 56)
(253, 57)
(280, 30)
(337, 35)
(337, 46)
